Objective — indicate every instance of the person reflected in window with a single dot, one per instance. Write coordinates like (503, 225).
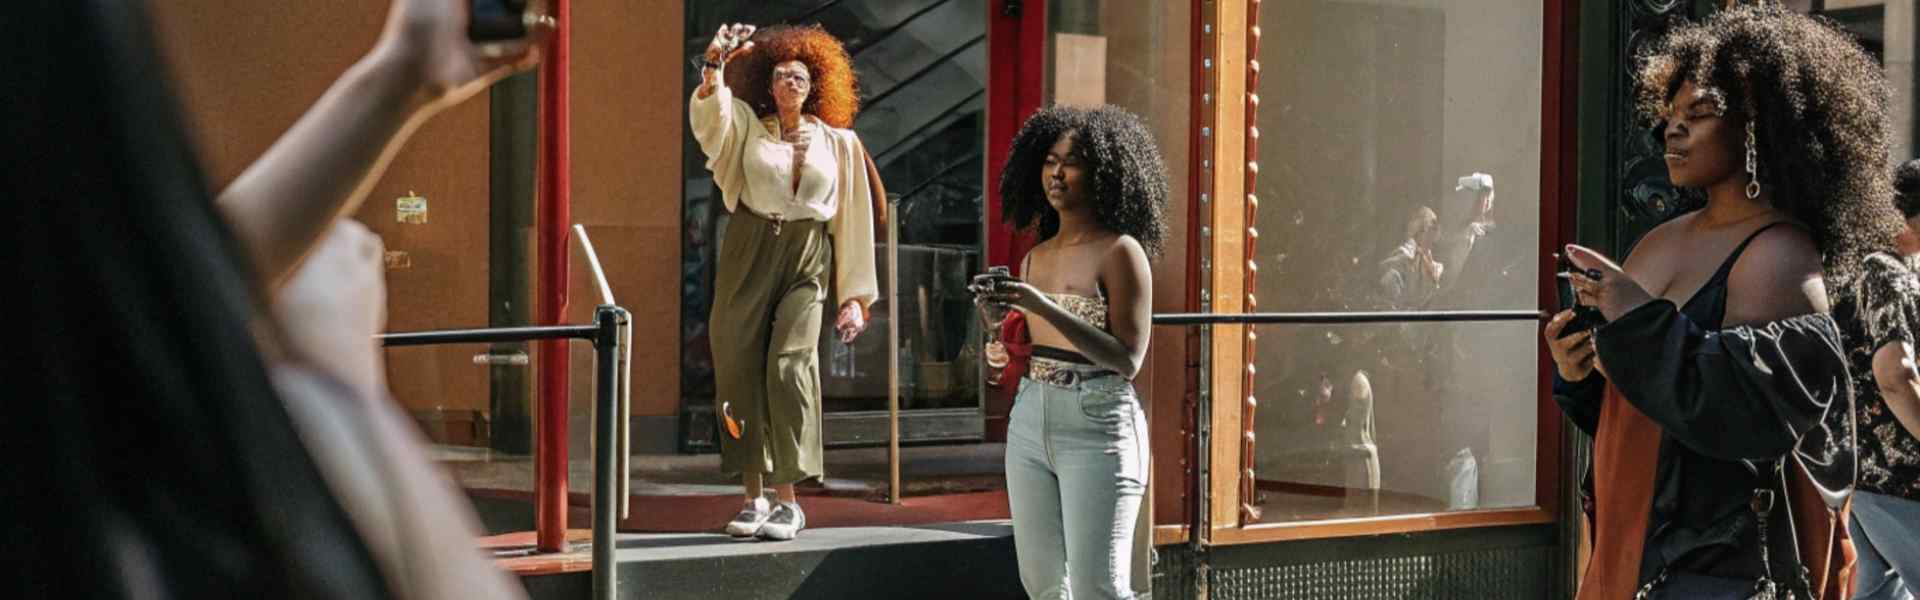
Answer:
(1411, 274)
(1718, 352)
(1431, 258)
(1357, 428)
(1091, 181)
(773, 113)
(1467, 216)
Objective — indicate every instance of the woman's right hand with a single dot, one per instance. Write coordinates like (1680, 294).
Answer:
(1573, 355)
(428, 39)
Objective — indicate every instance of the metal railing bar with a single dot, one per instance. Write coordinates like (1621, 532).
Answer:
(1325, 318)
(489, 335)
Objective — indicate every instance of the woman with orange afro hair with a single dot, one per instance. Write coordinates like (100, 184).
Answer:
(775, 129)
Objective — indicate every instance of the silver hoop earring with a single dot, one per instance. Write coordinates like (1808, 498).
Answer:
(1753, 165)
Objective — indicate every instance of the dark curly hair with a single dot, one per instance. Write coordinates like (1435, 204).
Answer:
(1819, 106)
(1906, 188)
(834, 98)
(1128, 180)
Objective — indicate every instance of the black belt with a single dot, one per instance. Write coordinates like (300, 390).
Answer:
(1061, 354)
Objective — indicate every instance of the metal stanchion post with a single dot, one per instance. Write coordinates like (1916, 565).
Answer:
(894, 492)
(606, 448)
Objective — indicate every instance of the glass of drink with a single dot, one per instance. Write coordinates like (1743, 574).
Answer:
(992, 314)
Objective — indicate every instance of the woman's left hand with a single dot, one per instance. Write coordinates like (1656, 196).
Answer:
(851, 322)
(1604, 285)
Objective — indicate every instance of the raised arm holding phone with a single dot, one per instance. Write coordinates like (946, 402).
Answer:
(208, 414)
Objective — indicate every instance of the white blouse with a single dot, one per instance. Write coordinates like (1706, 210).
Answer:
(752, 165)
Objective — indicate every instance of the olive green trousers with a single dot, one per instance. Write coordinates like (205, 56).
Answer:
(769, 294)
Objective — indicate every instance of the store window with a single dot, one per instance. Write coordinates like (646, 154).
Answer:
(1399, 166)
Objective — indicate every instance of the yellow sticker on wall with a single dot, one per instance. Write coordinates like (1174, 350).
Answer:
(398, 259)
(411, 209)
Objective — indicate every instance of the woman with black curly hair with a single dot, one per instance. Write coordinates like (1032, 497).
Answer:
(800, 186)
(1781, 121)
(1091, 181)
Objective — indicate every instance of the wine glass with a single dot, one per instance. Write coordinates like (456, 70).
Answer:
(992, 314)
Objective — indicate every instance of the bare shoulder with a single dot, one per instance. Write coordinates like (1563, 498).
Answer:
(1123, 249)
(1779, 275)
(1123, 257)
(1786, 247)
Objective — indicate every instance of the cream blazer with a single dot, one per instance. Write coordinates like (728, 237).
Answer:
(753, 166)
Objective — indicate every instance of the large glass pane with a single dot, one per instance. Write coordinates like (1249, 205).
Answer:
(1384, 131)
(1368, 420)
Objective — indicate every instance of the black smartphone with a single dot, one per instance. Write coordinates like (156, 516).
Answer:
(985, 282)
(1584, 317)
(496, 20)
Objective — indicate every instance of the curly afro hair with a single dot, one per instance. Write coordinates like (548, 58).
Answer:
(1906, 188)
(1819, 106)
(1128, 180)
(834, 98)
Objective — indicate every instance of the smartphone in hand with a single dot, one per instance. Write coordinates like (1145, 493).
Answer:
(1584, 317)
(984, 283)
(497, 20)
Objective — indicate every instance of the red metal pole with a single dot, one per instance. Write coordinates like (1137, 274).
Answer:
(1016, 46)
(555, 204)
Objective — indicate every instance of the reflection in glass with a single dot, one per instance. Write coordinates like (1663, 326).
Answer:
(1351, 427)
(1399, 167)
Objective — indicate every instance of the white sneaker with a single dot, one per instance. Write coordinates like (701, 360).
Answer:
(751, 518)
(786, 521)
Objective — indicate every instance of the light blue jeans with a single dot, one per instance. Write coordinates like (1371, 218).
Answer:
(1886, 542)
(1076, 475)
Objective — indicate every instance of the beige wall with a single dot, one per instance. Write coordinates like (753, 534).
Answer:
(1900, 76)
(628, 116)
(247, 70)
(1899, 57)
